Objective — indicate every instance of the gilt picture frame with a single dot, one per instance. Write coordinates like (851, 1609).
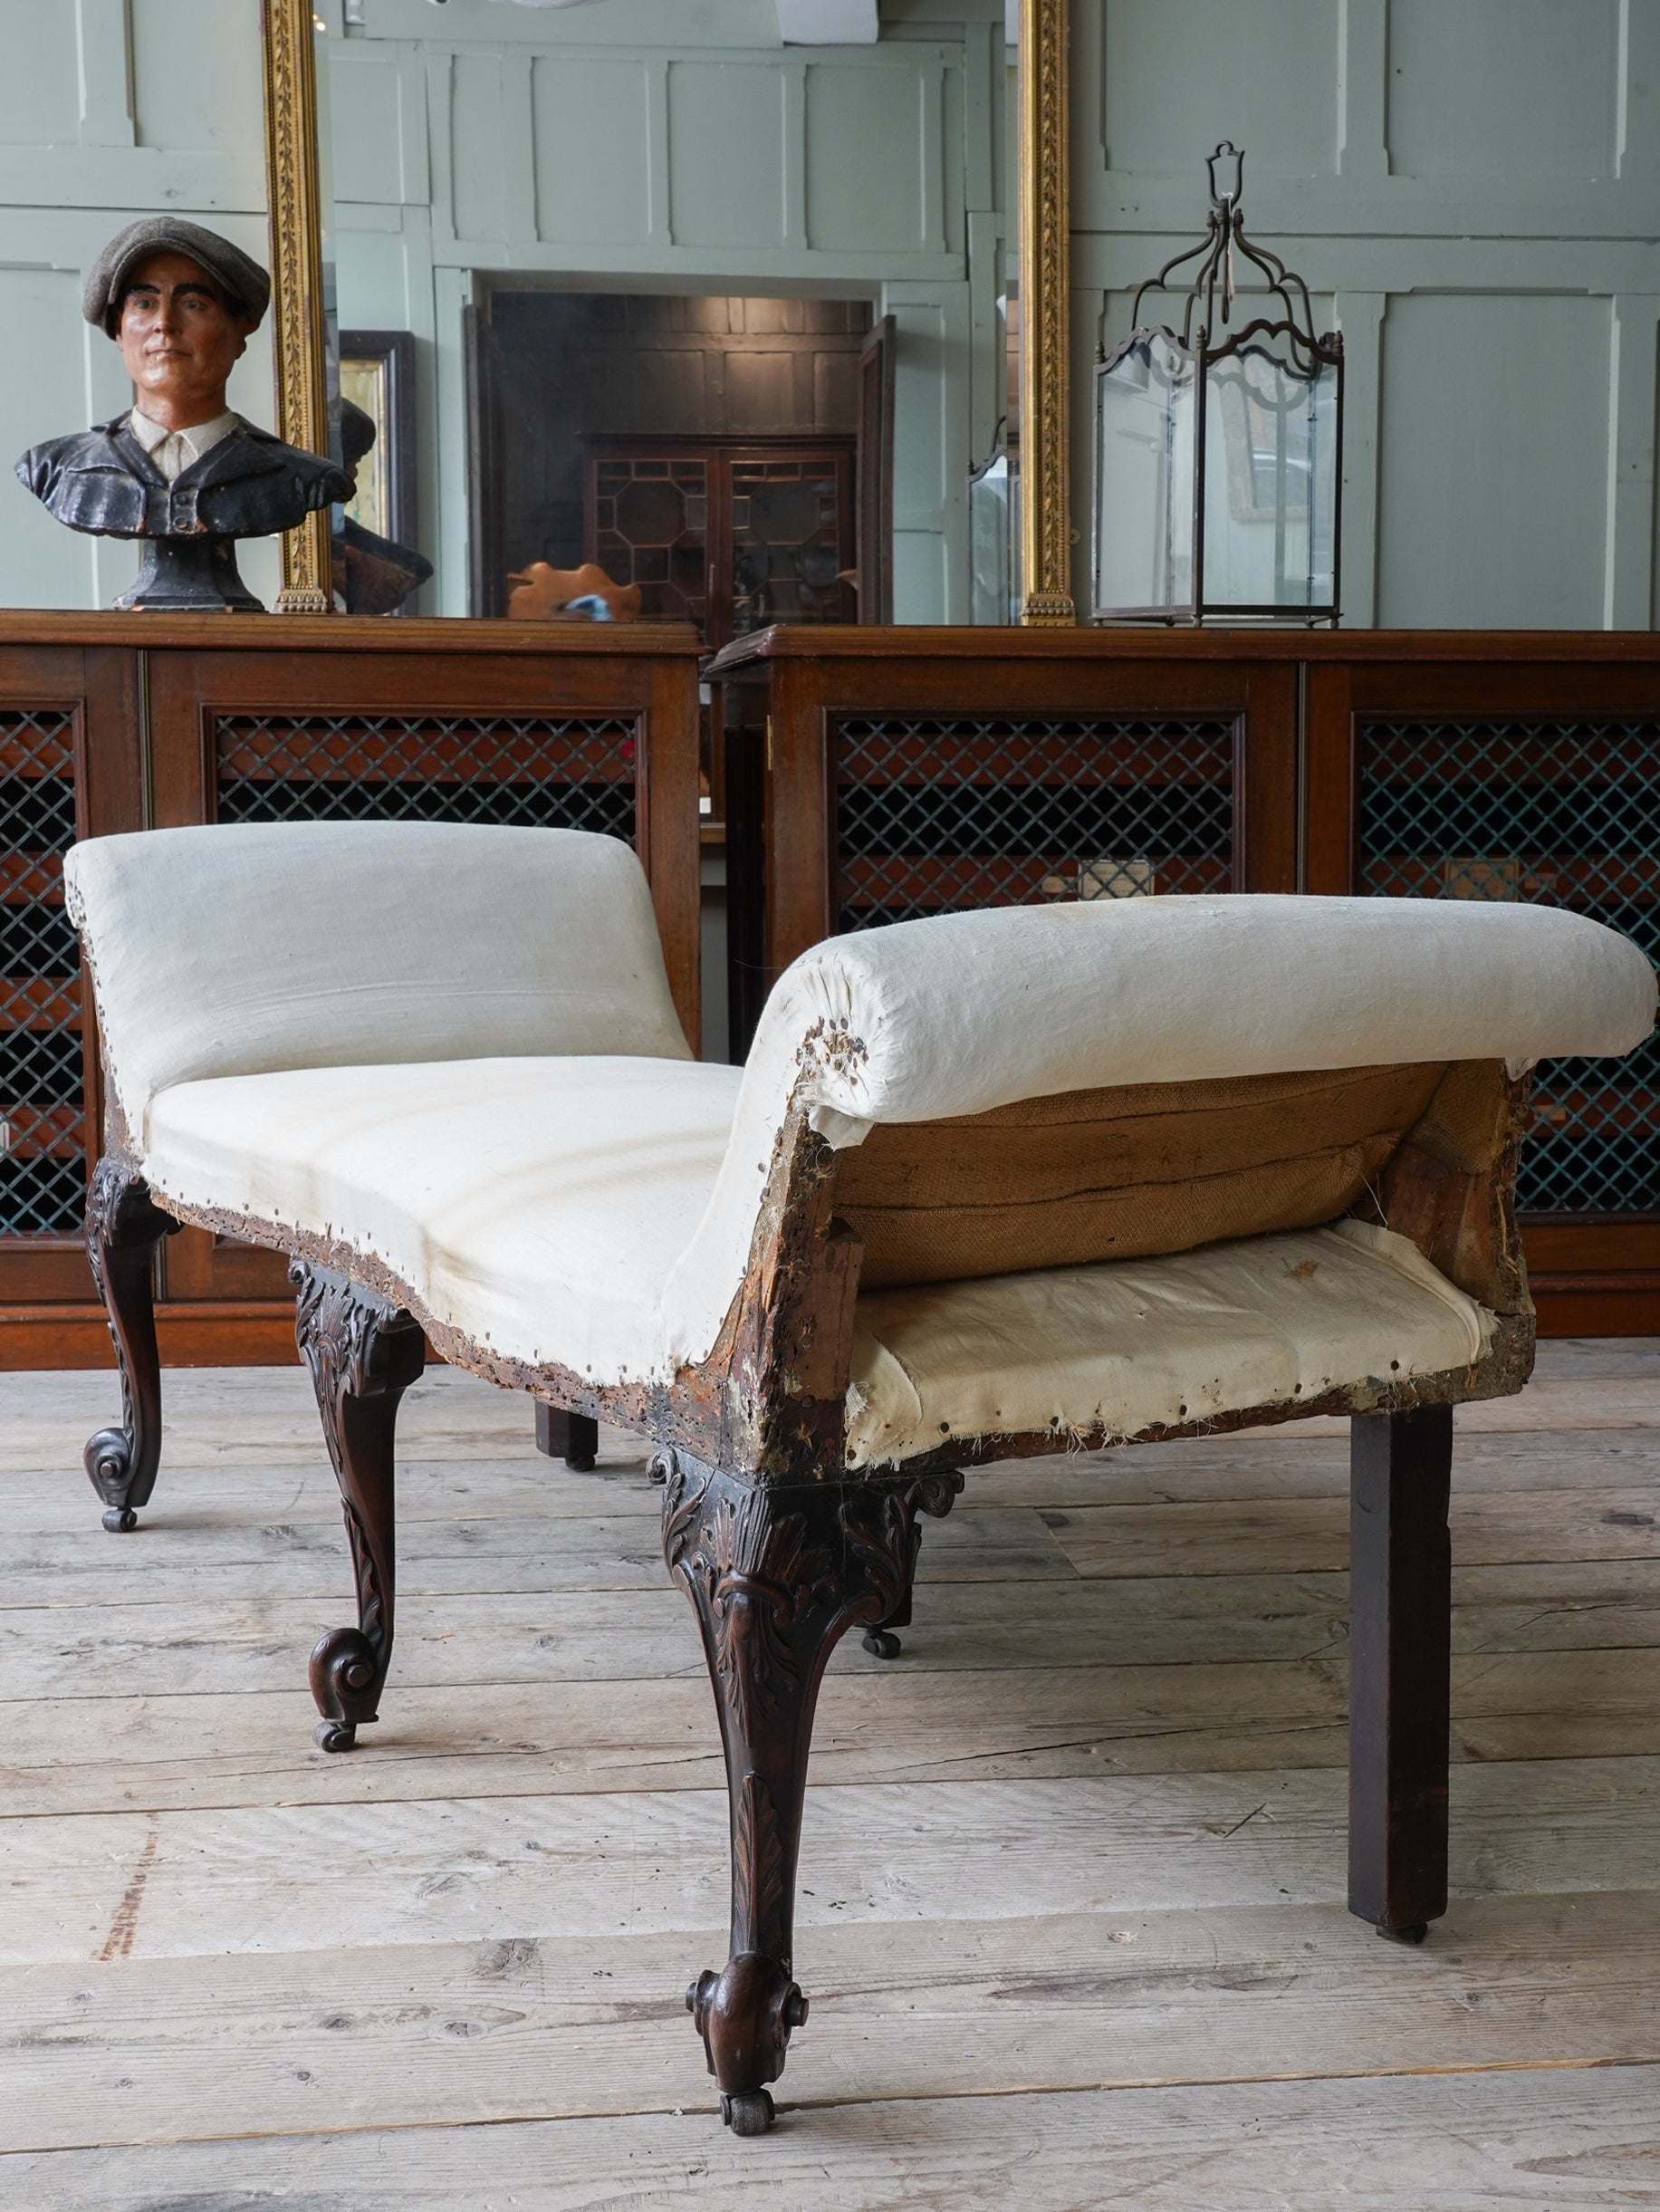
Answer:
(377, 373)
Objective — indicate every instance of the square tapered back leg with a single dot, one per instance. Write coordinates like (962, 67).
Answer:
(1400, 1666)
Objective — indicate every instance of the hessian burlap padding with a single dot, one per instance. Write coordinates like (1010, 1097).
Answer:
(1122, 1174)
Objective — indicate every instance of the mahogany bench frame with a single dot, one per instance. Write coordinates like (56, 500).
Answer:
(781, 1549)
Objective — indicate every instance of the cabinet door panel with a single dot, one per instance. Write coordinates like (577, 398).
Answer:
(70, 724)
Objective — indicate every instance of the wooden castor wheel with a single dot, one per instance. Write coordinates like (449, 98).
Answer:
(749, 2113)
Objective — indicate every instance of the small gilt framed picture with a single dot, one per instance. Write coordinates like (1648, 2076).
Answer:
(377, 371)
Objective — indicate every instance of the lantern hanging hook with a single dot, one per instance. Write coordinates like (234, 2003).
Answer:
(1224, 239)
(1225, 198)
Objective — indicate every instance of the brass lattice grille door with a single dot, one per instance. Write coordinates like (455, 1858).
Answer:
(542, 771)
(42, 1142)
(941, 813)
(1565, 812)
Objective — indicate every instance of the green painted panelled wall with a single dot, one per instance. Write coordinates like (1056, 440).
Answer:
(1472, 188)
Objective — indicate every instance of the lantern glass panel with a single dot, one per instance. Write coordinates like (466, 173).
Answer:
(1271, 460)
(993, 540)
(1144, 479)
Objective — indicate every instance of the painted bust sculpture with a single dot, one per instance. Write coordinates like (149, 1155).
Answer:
(181, 471)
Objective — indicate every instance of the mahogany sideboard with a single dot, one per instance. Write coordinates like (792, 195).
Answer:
(114, 722)
(874, 774)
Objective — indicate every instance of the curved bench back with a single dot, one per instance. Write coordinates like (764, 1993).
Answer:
(238, 949)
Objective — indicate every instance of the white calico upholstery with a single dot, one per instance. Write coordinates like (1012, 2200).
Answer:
(1128, 1345)
(538, 1205)
(549, 1174)
(239, 948)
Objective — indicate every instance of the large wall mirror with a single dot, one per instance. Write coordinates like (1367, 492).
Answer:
(721, 301)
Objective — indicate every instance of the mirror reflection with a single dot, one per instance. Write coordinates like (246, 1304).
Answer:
(722, 317)
(716, 301)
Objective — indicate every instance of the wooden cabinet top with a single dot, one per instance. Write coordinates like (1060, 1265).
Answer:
(909, 642)
(346, 633)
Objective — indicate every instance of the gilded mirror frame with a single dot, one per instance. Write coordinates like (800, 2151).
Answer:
(295, 199)
(295, 205)
(1046, 314)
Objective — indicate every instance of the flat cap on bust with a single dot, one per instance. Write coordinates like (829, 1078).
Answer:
(244, 281)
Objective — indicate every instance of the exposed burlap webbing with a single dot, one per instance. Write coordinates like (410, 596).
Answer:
(1122, 1174)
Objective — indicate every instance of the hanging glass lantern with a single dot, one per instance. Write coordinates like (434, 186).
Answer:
(994, 535)
(1218, 467)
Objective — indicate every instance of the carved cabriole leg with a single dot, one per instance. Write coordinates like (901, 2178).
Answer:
(777, 1573)
(571, 1436)
(363, 1353)
(123, 1227)
(1399, 1668)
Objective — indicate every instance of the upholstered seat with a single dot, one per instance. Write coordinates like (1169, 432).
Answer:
(1117, 1170)
(537, 1205)
(1213, 1015)
(1130, 1346)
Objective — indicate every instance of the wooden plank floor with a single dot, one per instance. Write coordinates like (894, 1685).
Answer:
(1072, 1886)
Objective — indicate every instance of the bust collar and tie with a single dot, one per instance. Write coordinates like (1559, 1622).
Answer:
(174, 451)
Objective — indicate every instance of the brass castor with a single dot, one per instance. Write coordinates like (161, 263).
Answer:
(335, 1735)
(882, 1643)
(1414, 1933)
(750, 2112)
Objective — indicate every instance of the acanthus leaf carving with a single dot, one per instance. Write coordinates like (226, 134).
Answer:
(682, 1497)
(879, 1523)
(761, 1576)
(759, 1866)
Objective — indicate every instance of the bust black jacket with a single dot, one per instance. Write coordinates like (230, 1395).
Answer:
(247, 485)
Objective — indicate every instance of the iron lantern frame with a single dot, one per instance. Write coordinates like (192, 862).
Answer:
(1213, 283)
